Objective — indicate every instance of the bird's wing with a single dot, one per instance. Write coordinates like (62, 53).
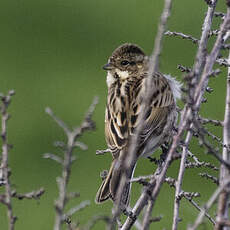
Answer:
(116, 123)
(156, 116)
(122, 117)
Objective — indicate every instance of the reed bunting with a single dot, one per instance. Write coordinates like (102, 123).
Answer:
(127, 71)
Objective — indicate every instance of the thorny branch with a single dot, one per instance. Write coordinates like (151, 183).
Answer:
(131, 153)
(209, 204)
(172, 183)
(5, 172)
(66, 163)
(183, 36)
(200, 60)
(224, 171)
(154, 65)
(197, 84)
(191, 122)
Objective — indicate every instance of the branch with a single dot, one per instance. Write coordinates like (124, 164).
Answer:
(6, 197)
(96, 219)
(222, 212)
(184, 68)
(198, 163)
(209, 177)
(154, 65)
(102, 152)
(210, 121)
(199, 64)
(66, 162)
(179, 181)
(4, 163)
(58, 121)
(183, 36)
(172, 183)
(132, 150)
(53, 157)
(30, 195)
(223, 62)
(66, 217)
(208, 205)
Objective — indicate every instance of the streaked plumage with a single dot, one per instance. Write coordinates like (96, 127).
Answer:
(126, 80)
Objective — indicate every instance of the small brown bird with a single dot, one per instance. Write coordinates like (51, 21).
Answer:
(126, 80)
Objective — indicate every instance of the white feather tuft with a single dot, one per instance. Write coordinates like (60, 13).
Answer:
(175, 86)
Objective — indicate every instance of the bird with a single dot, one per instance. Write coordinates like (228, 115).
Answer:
(127, 76)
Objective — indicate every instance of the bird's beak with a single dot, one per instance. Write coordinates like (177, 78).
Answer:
(108, 66)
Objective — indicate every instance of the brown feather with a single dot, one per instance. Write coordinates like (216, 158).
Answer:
(126, 91)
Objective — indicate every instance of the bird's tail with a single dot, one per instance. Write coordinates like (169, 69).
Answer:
(110, 187)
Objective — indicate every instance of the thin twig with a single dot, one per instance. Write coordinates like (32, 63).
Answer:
(209, 177)
(154, 66)
(5, 155)
(223, 62)
(103, 151)
(131, 153)
(222, 212)
(210, 121)
(75, 209)
(200, 62)
(95, 220)
(181, 35)
(53, 157)
(72, 135)
(208, 205)
(184, 68)
(172, 183)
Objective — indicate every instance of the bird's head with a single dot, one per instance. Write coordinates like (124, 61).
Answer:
(126, 60)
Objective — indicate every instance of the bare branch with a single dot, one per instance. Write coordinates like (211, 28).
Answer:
(58, 120)
(30, 195)
(96, 219)
(102, 152)
(72, 135)
(81, 145)
(184, 68)
(222, 212)
(172, 183)
(209, 177)
(210, 121)
(224, 222)
(4, 163)
(223, 62)
(208, 205)
(200, 62)
(154, 65)
(183, 36)
(75, 209)
(5, 172)
(140, 179)
(219, 14)
(179, 182)
(200, 164)
(53, 157)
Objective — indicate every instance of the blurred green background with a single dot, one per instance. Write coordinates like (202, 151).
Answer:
(51, 53)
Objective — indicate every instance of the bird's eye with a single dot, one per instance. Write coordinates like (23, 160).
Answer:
(125, 62)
